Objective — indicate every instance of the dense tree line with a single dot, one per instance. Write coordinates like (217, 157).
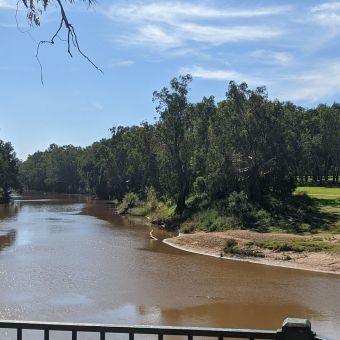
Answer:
(8, 170)
(245, 143)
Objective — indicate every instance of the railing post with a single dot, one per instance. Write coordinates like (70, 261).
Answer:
(296, 329)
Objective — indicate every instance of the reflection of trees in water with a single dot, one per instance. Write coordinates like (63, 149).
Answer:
(9, 210)
(7, 239)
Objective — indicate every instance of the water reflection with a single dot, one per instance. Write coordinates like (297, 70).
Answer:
(72, 259)
(7, 237)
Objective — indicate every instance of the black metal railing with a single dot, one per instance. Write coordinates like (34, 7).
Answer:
(289, 330)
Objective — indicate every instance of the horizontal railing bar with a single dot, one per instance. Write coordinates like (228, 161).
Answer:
(163, 330)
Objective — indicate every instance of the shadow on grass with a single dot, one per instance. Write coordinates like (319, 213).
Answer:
(333, 202)
(301, 213)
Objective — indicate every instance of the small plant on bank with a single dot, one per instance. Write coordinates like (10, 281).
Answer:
(151, 199)
(130, 200)
(294, 246)
(232, 247)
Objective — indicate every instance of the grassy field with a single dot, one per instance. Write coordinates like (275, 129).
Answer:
(328, 200)
(320, 192)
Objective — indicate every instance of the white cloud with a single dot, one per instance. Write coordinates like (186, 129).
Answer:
(170, 12)
(125, 62)
(221, 75)
(7, 4)
(170, 25)
(118, 63)
(272, 57)
(314, 85)
(327, 14)
(152, 35)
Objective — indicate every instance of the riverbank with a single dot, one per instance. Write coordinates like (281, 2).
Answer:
(214, 244)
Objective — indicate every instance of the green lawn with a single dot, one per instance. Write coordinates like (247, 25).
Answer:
(328, 200)
(320, 192)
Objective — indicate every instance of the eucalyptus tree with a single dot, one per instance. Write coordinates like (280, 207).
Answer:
(8, 170)
(258, 141)
(173, 110)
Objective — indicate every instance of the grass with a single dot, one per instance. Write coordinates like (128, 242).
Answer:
(295, 246)
(327, 199)
(320, 192)
(232, 247)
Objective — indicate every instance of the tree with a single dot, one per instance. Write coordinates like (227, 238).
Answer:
(172, 125)
(8, 170)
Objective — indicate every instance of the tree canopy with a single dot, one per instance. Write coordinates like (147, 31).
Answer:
(244, 143)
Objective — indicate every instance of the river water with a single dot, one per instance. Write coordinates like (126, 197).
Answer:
(68, 258)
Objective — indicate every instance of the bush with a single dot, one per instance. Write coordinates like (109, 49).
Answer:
(151, 199)
(263, 220)
(212, 220)
(199, 185)
(240, 207)
(295, 246)
(231, 246)
(197, 202)
(130, 200)
(187, 228)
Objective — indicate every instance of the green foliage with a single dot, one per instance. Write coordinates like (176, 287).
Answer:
(8, 170)
(232, 247)
(295, 246)
(199, 185)
(197, 202)
(151, 198)
(130, 200)
(232, 164)
(240, 208)
(212, 220)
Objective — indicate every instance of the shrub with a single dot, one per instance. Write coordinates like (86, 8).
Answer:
(197, 202)
(151, 198)
(130, 200)
(199, 185)
(295, 246)
(263, 220)
(231, 246)
(187, 228)
(240, 207)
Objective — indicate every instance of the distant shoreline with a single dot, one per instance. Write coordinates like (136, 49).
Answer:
(210, 244)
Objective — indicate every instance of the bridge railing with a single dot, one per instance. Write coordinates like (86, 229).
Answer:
(292, 329)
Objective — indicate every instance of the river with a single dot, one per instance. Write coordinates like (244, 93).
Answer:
(69, 258)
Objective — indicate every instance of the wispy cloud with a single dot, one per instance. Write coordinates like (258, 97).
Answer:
(176, 24)
(327, 14)
(314, 85)
(119, 63)
(7, 4)
(272, 57)
(170, 12)
(221, 75)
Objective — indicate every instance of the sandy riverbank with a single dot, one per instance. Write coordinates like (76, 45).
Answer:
(212, 244)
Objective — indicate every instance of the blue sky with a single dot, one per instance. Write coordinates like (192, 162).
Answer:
(292, 47)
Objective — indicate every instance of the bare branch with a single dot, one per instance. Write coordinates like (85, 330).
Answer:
(72, 38)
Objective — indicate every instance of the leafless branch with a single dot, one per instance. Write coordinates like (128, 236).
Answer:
(72, 38)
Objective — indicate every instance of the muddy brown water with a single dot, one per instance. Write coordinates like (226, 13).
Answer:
(71, 259)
